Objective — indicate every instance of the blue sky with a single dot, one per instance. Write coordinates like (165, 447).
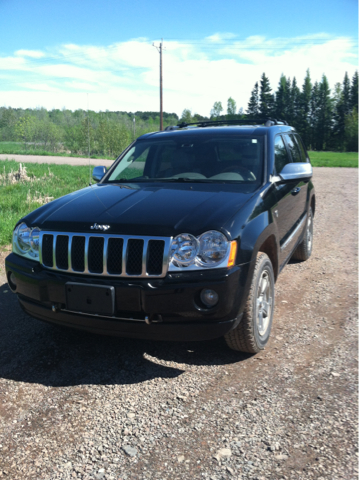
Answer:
(63, 54)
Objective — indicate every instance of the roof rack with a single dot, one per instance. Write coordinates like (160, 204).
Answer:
(267, 122)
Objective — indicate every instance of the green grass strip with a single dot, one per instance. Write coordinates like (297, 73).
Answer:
(334, 159)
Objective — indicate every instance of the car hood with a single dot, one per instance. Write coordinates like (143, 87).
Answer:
(165, 210)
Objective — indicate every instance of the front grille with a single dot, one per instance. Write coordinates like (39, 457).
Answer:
(78, 254)
(47, 250)
(103, 254)
(155, 256)
(62, 248)
(95, 261)
(134, 257)
(114, 255)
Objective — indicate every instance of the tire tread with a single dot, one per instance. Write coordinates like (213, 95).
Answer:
(301, 253)
(242, 337)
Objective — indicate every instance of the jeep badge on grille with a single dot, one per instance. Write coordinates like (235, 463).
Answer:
(100, 227)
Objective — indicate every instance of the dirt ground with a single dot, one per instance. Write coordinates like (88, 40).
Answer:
(75, 405)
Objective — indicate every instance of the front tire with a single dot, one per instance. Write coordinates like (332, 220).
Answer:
(252, 333)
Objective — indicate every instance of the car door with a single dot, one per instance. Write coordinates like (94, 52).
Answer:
(301, 189)
(287, 212)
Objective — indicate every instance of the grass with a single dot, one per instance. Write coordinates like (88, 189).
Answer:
(17, 148)
(17, 200)
(334, 159)
(20, 198)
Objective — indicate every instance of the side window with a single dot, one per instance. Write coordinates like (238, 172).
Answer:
(293, 147)
(303, 153)
(281, 157)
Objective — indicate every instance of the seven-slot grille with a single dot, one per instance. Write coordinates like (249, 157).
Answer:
(104, 254)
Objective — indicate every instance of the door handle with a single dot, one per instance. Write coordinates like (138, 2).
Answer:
(295, 191)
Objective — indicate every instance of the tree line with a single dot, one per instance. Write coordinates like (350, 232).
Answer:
(326, 120)
(77, 132)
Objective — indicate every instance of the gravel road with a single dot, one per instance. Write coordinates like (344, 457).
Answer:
(57, 160)
(80, 406)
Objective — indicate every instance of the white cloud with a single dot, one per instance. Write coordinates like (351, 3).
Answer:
(30, 53)
(125, 76)
(220, 37)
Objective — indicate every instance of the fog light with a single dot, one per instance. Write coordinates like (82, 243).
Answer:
(209, 297)
(11, 280)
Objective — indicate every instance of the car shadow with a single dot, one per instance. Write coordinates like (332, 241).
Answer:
(32, 351)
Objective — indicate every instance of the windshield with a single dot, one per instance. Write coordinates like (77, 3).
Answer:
(195, 159)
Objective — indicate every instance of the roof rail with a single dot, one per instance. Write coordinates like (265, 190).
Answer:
(268, 122)
(171, 127)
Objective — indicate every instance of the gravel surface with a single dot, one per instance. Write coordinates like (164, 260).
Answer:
(57, 160)
(80, 406)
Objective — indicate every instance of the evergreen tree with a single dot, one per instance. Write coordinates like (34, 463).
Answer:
(253, 105)
(314, 116)
(338, 117)
(288, 100)
(281, 99)
(266, 98)
(304, 111)
(346, 94)
(351, 131)
(354, 92)
(295, 103)
(325, 113)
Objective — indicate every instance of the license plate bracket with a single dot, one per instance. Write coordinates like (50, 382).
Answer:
(94, 299)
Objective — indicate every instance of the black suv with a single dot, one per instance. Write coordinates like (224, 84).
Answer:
(181, 239)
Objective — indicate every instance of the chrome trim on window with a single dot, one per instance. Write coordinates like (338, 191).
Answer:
(165, 260)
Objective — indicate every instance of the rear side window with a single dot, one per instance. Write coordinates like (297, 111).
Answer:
(293, 147)
(303, 153)
(281, 157)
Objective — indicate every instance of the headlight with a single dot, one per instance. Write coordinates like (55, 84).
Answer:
(213, 248)
(23, 237)
(25, 241)
(184, 249)
(209, 250)
(35, 239)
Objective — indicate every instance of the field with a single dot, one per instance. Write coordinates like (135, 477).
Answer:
(17, 148)
(334, 159)
(20, 198)
(41, 183)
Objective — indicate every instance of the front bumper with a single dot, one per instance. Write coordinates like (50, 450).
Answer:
(171, 305)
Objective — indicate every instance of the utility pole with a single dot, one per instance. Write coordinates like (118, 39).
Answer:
(88, 139)
(160, 50)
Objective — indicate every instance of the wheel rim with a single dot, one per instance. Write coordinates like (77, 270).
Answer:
(264, 303)
(310, 233)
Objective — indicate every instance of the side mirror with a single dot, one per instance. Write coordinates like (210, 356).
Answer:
(98, 173)
(296, 171)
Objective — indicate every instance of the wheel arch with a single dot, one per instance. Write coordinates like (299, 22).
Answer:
(270, 248)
